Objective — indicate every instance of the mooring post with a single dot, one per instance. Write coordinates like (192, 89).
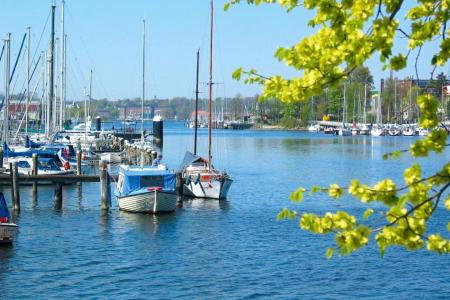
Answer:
(154, 155)
(15, 186)
(179, 183)
(34, 170)
(1, 158)
(105, 185)
(58, 195)
(78, 163)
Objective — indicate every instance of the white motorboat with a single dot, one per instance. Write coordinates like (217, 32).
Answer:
(364, 129)
(46, 165)
(313, 128)
(8, 229)
(146, 189)
(378, 130)
(344, 132)
(394, 130)
(409, 131)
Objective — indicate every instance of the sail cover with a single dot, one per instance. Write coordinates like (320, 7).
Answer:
(190, 158)
(4, 212)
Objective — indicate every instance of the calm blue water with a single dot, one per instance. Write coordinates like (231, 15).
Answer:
(231, 249)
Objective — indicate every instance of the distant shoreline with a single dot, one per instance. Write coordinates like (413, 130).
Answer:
(276, 128)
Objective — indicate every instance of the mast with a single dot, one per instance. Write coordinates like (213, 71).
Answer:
(143, 92)
(196, 103)
(365, 103)
(7, 42)
(63, 71)
(210, 86)
(28, 80)
(344, 111)
(51, 84)
(90, 97)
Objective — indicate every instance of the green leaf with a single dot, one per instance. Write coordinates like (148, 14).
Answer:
(367, 213)
(330, 252)
(237, 74)
(226, 6)
(297, 196)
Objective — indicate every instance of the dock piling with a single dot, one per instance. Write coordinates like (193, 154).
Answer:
(15, 186)
(34, 170)
(58, 195)
(78, 162)
(105, 185)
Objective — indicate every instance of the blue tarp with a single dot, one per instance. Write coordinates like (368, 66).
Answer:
(4, 212)
(136, 179)
(7, 152)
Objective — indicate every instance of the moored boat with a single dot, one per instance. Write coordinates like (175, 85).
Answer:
(8, 229)
(146, 189)
(203, 181)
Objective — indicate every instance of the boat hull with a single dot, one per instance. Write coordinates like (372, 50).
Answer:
(148, 202)
(8, 232)
(214, 189)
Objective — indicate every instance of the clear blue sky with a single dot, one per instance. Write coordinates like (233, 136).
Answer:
(105, 35)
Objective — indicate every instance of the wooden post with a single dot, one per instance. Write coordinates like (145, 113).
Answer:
(34, 170)
(15, 186)
(154, 155)
(58, 195)
(105, 185)
(179, 184)
(78, 162)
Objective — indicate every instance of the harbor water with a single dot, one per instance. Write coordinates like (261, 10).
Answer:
(233, 249)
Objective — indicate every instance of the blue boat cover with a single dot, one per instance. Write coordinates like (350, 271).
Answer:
(7, 152)
(4, 212)
(30, 144)
(136, 179)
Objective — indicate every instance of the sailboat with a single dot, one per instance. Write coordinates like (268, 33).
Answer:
(145, 189)
(200, 178)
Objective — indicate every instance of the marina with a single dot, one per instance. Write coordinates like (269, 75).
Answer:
(208, 149)
(239, 236)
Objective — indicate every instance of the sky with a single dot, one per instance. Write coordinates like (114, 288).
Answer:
(106, 36)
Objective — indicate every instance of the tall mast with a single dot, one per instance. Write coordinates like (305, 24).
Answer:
(196, 104)
(365, 103)
(90, 96)
(143, 92)
(51, 84)
(210, 86)
(28, 80)
(7, 42)
(63, 71)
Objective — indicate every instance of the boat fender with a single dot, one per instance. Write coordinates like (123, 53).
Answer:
(66, 166)
(4, 220)
(154, 188)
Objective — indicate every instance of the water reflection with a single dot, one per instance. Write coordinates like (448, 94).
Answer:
(150, 223)
(202, 204)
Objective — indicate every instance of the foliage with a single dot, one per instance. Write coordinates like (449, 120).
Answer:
(348, 34)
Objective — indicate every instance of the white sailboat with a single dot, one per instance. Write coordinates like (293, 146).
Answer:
(201, 179)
